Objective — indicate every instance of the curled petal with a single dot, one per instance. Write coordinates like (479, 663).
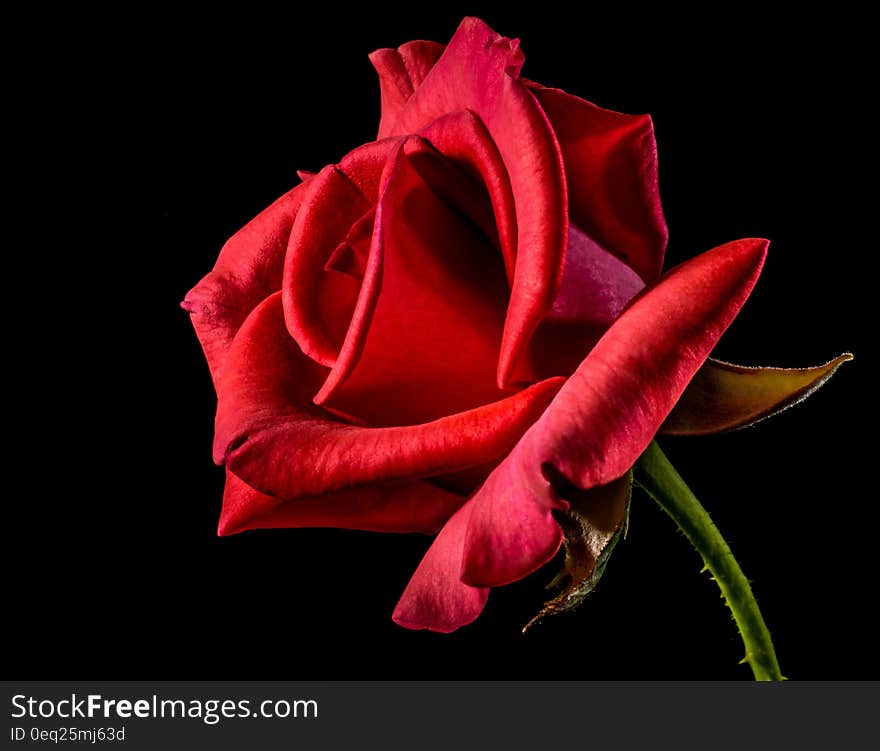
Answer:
(435, 597)
(464, 140)
(351, 255)
(511, 530)
(423, 342)
(479, 71)
(723, 396)
(247, 272)
(336, 213)
(318, 302)
(270, 434)
(608, 411)
(401, 72)
(363, 166)
(400, 507)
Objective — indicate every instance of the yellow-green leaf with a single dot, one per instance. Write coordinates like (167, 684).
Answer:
(723, 396)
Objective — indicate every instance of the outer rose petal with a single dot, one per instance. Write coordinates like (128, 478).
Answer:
(435, 597)
(607, 412)
(611, 167)
(246, 273)
(401, 72)
(723, 396)
(479, 71)
(512, 531)
(404, 507)
(269, 433)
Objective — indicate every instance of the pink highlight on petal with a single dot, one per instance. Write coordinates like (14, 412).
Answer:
(436, 598)
(596, 287)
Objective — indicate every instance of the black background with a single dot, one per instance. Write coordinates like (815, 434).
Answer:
(163, 135)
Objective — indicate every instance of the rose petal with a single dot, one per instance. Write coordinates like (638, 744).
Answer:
(424, 337)
(435, 597)
(401, 72)
(607, 412)
(511, 531)
(364, 165)
(479, 71)
(611, 168)
(460, 189)
(723, 396)
(247, 271)
(596, 287)
(350, 256)
(464, 140)
(318, 303)
(404, 507)
(319, 299)
(270, 434)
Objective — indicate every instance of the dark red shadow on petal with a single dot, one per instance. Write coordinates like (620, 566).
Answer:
(424, 338)
(464, 141)
(479, 71)
(351, 255)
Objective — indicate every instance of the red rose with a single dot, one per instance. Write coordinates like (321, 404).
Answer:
(461, 325)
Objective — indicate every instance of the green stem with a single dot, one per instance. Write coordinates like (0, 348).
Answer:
(658, 477)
